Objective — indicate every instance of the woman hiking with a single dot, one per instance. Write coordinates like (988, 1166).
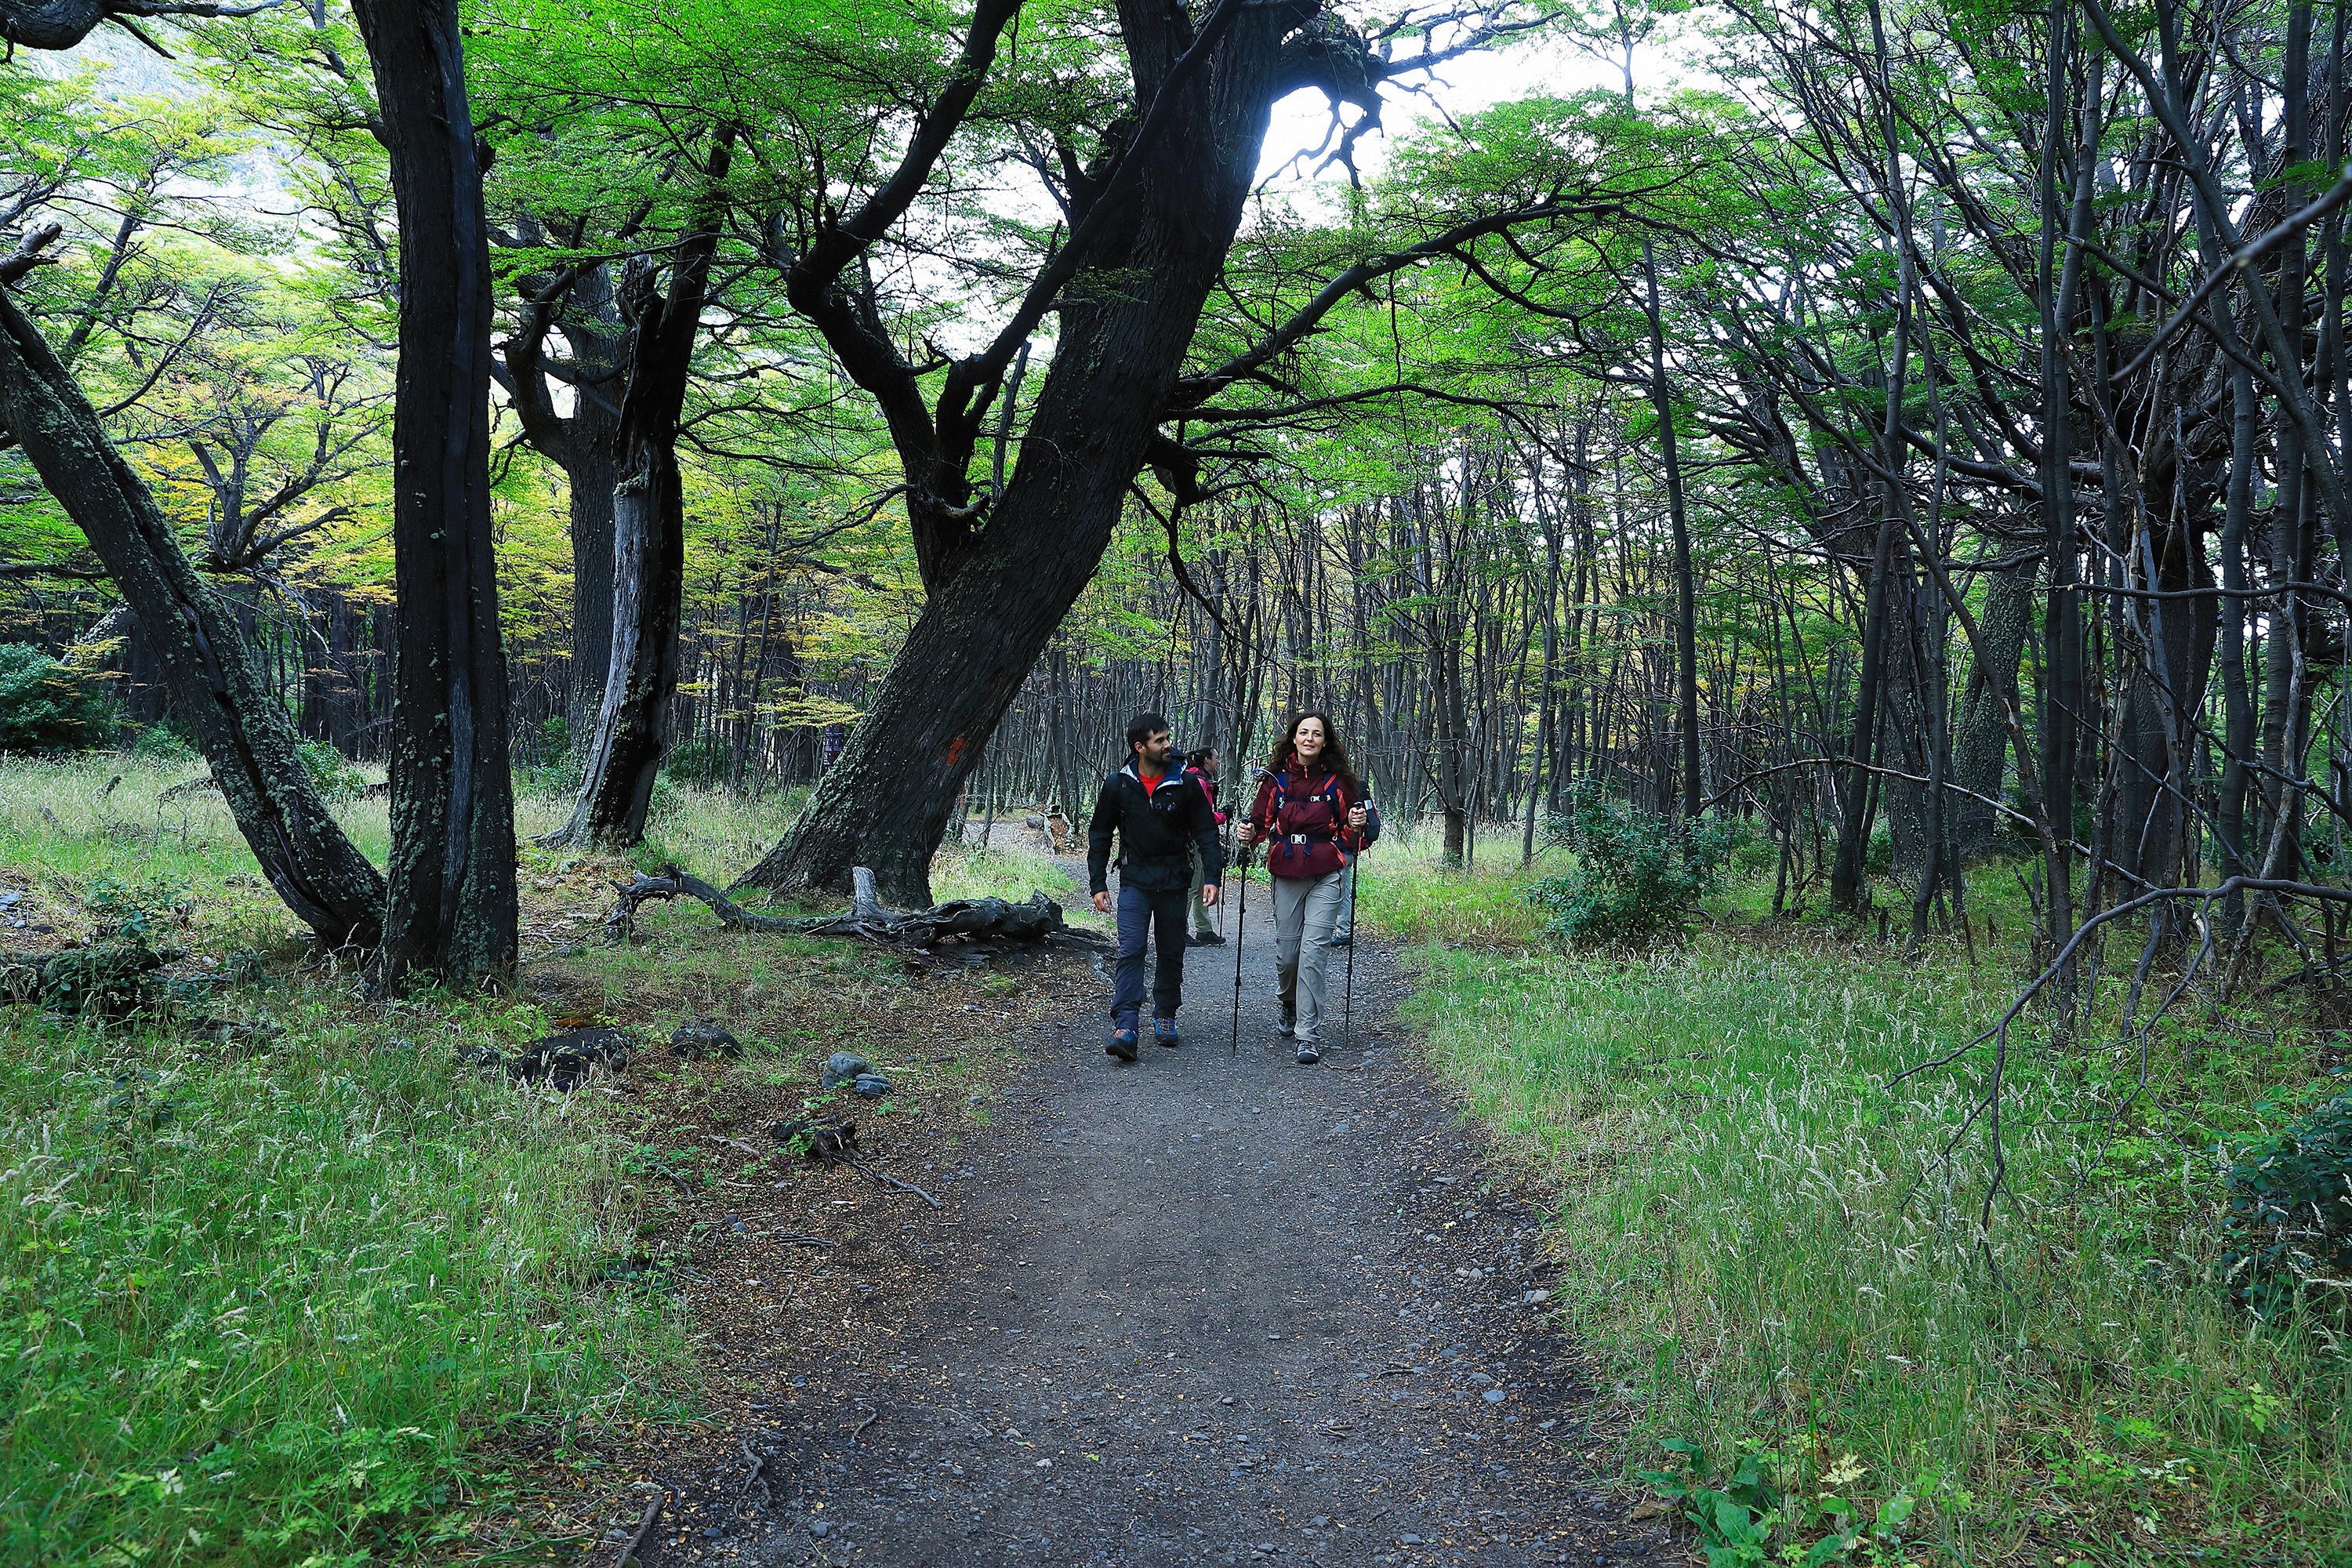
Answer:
(1312, 812)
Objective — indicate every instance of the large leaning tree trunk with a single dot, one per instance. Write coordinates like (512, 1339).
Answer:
(1152, 220)
(452, 912)
(240, 723)
(648, 541)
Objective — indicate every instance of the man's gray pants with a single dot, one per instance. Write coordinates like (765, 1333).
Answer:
(1306, 909)
(1205, 920)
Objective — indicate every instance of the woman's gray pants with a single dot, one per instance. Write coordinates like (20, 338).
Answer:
(1306, 909)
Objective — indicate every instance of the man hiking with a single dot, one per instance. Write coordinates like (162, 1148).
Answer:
(1162, 817)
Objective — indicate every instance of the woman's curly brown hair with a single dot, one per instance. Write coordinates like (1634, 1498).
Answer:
(1334, 758)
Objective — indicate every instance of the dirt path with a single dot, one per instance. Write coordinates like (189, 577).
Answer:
(1208, 1309)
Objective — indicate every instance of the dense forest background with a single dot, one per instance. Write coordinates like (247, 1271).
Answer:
(1913, 429)
(1825, 527)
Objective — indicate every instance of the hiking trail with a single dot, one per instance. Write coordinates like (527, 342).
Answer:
(1208, 1309)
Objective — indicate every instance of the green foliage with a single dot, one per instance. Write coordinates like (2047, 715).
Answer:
(2288, 1226)
(111, 976)
(1739, 1514)
(47, 705)
(332, 771)
(163, 743)
(706, 764)
(1638, 875)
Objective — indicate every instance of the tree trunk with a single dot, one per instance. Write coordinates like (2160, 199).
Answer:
(1849, 875)
(1981, 747)
(452, 912)
(594, 472)
(996, 594)
(239, 722)
(648, 544)
(885, 801)
(1686, 576)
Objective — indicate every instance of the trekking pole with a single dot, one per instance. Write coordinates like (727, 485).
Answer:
(1241, 919)
(1349, 995)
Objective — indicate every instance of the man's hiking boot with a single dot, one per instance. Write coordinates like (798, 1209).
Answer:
(1307, 1054)
(1121, 1044)
(1164, 1033)
(1208, 939)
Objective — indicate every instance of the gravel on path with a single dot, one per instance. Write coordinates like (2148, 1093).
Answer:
(1208, 1309)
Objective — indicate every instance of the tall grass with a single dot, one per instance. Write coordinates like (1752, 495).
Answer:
(255, 1303)
(1774, 1246)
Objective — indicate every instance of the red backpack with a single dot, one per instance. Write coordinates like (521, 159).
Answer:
(1316, 852)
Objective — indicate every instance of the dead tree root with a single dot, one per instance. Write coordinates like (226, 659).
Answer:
(1035, 919)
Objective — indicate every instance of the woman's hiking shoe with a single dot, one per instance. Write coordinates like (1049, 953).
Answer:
(1307, 1054)
(1121, 1044)
(1288, 1023)
(1164, 1033)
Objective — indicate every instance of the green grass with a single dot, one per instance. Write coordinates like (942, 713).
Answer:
(1404, 889)
(258, 1300)
(1766, 1248)
(263, 1303)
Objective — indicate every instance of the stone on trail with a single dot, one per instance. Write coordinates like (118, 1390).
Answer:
(842, 1069)
(703, 1038)
(871, 1085)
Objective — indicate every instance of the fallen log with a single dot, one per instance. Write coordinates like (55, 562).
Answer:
(1032, 920)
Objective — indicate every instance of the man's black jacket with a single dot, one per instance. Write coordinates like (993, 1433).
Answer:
(1157, 832)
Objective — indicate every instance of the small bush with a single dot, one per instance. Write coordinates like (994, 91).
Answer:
(1638, 875)
(2289, 1222)
(332, 771)
(47, 705)
(163, 743)
(705, 764)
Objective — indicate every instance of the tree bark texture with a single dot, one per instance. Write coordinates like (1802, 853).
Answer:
(586, 444)
(247, 735)
(452, 912)
(997, 592)
(648, 544)
(1980, 750)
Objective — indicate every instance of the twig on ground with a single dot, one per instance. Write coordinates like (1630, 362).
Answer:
(645, 1532)
(758, 1463)
(890, 1181)
(872, 1417)
(736, 1143)
(798, 1238)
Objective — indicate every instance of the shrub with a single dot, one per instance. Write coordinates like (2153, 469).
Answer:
(705, 764)
(2289, 1221)
(1638, 875)
(48, 706)
(332, 771)
(163, 743)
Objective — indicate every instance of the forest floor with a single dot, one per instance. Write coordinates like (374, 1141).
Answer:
(1212, 1308)
(381, 1303)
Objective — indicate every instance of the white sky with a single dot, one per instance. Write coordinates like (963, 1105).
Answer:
(1465, 86)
